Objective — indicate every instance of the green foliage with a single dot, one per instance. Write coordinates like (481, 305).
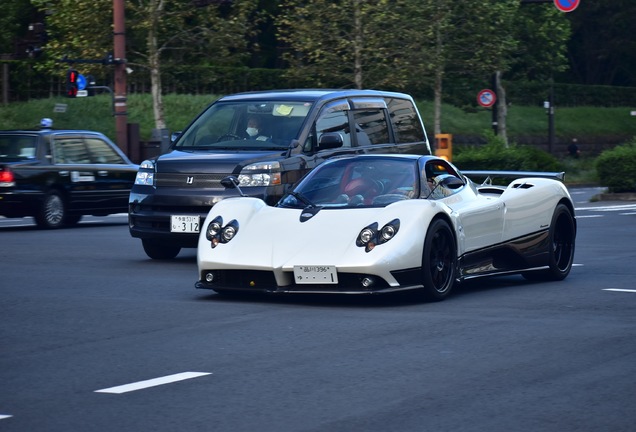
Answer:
(617, 168)
(494, 155)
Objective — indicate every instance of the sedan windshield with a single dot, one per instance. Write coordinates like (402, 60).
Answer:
(357, 182)
(246, 125)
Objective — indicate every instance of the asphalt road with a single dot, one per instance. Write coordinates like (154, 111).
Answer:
(96, 337)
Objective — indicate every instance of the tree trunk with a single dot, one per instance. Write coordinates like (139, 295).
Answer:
(437, 104)
(155, 68)
(502, 109)
(357, 45)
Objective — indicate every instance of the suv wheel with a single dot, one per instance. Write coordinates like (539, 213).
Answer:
(158, 250)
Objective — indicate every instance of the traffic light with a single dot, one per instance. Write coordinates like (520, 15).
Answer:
(71, 83)
(444, 146)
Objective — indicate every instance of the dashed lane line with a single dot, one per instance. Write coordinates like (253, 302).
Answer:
(620, 290)
(139, 385)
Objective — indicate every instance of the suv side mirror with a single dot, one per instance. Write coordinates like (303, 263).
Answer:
(329, 140)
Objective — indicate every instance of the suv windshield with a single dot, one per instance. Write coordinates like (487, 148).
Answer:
(246, 125)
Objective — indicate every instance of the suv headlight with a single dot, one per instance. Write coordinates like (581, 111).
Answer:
(260, 174)
(146, 174)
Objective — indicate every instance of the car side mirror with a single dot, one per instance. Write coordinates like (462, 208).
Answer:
(174, 136)
(330, 140)
(231, 182)
(452, 182)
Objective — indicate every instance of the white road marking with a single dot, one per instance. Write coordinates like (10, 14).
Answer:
(5, 416)
(616, 207)
(589, 216)
(620, 290)
(139, 385)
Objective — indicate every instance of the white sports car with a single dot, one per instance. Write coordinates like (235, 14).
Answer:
(368, 224)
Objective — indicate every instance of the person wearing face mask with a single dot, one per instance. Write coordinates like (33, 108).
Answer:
(253, 129)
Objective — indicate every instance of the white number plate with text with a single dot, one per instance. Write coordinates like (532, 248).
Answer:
(315, 275)
(185, 224)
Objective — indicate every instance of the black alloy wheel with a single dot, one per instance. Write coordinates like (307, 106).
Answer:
(439, 261)
(561, 248)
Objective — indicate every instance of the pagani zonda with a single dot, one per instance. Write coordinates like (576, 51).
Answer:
(381, 223)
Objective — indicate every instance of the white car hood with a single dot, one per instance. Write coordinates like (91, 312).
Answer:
(274, 238)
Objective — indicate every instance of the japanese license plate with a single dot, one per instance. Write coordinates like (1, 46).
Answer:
(315, 275)
(185, 224)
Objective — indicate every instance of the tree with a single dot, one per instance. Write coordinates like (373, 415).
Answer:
(353, 42)
(602, 49)
(157, 31)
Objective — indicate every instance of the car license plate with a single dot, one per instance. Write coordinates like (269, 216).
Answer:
(315, 275)
(185, 224)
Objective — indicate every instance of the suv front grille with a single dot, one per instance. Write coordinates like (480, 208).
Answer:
(203, 181)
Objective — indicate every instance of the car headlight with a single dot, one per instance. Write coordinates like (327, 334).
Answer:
(260, 174)
(370, 236)
(217, 233)
(146, 174)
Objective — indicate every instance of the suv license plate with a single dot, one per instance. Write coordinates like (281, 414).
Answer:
(315, 275)
(185, 224)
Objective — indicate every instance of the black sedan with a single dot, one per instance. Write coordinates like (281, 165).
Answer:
(57, 176)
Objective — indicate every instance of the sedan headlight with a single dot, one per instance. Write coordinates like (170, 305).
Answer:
(260, 174)
(146, 174)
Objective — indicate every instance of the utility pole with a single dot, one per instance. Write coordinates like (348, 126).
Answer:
(119, 54)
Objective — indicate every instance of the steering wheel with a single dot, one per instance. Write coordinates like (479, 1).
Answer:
(224, 137)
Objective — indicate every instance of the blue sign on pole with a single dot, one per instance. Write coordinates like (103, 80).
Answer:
(566, 5)
(81, 82)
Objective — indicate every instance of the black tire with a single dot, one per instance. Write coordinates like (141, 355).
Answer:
(562, 239)
(72, 219)
(159, 250)
(439, 261)
(52, 211)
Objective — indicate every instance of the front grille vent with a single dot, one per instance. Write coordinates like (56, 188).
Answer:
(201, 181)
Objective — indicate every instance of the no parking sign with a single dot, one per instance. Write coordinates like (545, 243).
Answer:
(566, 5)
(486, 98)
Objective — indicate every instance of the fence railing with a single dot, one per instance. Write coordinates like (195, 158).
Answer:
(20, 82)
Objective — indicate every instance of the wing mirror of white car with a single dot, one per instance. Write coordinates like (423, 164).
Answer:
(231, 182)
(452, 182)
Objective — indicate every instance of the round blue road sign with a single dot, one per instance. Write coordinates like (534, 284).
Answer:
(81, 82)
(486, 98)
(566, 5)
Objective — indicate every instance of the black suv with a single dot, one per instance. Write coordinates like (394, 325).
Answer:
(57, 176)
(269, 140)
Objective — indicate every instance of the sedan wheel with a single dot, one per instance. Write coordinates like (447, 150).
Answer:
(438, 261)
(52, 212)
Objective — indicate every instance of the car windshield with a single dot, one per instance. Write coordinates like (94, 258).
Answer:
(246, 125)
(15, 148)
(356, 182)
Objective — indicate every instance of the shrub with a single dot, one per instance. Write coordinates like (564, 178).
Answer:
(616, 168)
(496, 156)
